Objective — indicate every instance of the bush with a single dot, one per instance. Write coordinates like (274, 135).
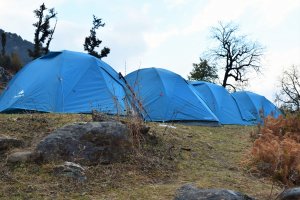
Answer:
(11, 63)
(276, 151)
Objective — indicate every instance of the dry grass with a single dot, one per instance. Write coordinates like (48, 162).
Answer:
(276, 149)
(210, 157)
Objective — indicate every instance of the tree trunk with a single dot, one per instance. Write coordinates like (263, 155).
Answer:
(225, 78)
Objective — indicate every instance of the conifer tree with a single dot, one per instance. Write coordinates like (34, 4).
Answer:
(92, 42)
(203, 72)
(43, 33)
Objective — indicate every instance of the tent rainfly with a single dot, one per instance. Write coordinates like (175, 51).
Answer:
(65, 82)
(220, 101)
(253, 106)
(166, 96)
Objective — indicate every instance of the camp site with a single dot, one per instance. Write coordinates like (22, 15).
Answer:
(123, 102)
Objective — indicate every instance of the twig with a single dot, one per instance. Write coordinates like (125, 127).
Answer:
(271, 190)
(280, 193)
(186, 149)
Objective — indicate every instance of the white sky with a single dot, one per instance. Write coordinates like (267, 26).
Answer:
(169, 34)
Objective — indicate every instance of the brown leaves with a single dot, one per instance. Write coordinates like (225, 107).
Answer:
(277, 151)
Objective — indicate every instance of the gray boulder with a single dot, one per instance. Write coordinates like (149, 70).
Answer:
(87, 143)
(190, 192)
(290, 194)
(7, 142)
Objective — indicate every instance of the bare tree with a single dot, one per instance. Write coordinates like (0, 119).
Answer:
(289, 94)
(234, 54)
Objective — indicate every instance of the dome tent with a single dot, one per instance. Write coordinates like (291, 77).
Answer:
(166, 96)
(65, 82)
(220, 101)
(253, 106)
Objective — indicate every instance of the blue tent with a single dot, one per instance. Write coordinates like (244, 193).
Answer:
(65, 82)
(166, 96)
(253, 106)
(220, 101)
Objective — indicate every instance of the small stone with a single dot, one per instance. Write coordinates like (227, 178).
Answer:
(190, 192)
(21, 156)
(70, 169)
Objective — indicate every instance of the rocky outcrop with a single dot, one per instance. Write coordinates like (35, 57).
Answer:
(190, 192)
(87, 143)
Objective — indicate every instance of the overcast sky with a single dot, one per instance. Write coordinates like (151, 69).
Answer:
(169, 34)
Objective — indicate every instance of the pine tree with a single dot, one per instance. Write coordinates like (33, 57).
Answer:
(91, 42)
(203, 71)
(43, 33)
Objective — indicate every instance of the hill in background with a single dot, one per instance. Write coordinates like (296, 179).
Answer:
(15, 43)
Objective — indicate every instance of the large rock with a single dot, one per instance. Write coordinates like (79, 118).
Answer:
(290, 194)
(87, 143)
(7, 142)
(190, 192)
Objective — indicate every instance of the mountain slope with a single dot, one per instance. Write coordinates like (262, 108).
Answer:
(15, 43)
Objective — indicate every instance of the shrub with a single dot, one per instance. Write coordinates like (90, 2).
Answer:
(276, 151)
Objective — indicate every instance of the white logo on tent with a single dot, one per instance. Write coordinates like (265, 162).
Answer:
(20, 94)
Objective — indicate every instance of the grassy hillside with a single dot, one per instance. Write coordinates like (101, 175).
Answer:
(210, 157)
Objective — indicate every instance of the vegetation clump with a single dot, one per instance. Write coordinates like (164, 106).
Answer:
(276, 149)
